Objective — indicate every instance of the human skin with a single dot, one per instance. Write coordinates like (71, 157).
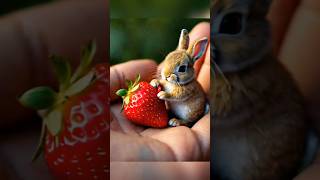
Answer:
(296, 26)
(27, 38)
(23, 52)
(129, 142)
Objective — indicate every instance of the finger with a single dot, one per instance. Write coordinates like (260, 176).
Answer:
(114, 124)
(129, 70)
(160, 170)
(204, 73)
(202, 67)
(181, 140)
(199, 31)
(300, 52)
(28, 37)
(311, 172)
(280, 15)
(202, 131)
(132, 148)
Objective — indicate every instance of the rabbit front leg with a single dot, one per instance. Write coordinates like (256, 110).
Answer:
(162, 94)
(172, 92)
(175, 95)
(155, 83)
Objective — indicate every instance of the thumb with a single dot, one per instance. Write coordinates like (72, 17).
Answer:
(129, 70)
(126, 147)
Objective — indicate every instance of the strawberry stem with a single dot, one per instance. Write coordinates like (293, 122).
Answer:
(125, 94)
(137, 80)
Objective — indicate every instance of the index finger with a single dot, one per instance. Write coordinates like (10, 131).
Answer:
(202, 67)
(280, 16)
(129, 70)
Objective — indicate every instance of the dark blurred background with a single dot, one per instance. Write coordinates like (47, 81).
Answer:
(7, 6)
(158, 8)
(150, 38)
(150, 28)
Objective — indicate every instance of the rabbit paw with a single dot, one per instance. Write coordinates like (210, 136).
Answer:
(174, 122)
(162, 95)
(154, 83)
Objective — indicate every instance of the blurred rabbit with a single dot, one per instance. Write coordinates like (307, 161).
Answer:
(181, 91)
(259, 128)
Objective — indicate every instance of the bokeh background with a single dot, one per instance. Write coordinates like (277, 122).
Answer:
(140, 28)
(150, 29)
(150, 38)
(159, 8)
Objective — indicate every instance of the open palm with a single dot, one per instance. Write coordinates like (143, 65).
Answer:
(129, 142)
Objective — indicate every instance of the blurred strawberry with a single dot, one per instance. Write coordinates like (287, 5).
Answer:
(142, 106)
(75, 129)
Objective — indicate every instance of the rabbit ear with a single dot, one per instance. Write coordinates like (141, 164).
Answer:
(198, 49)
(184, 40)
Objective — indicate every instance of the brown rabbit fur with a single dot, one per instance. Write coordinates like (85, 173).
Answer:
(181, 91)
(258, 130)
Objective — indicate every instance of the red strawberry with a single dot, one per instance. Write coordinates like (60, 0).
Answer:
(142, 106)
(75, 126)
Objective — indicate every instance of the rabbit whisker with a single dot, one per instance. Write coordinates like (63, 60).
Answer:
(218, 70)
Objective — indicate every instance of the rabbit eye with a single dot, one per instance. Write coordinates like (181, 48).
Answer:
(231, 24)
(182, 68)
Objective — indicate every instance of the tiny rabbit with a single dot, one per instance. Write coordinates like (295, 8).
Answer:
(259, 128)
(183, 94)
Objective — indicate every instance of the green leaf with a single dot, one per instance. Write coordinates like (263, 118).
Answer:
(38, 98)
(87, 56)
(134, 88)
(137, 80)
(122, 92)
(81, 84)
(62, 70)
(126, 100)
(53, 121)
(129, 84)
(88, 53)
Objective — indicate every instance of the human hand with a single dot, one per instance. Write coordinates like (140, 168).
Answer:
(295, 27)
(28, 37)
(129, 142)
(295, 32)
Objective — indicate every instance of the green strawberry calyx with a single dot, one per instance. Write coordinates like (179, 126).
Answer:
(49, 102)
(126, 93)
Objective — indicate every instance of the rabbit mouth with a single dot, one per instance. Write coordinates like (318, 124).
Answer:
(174, 79)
